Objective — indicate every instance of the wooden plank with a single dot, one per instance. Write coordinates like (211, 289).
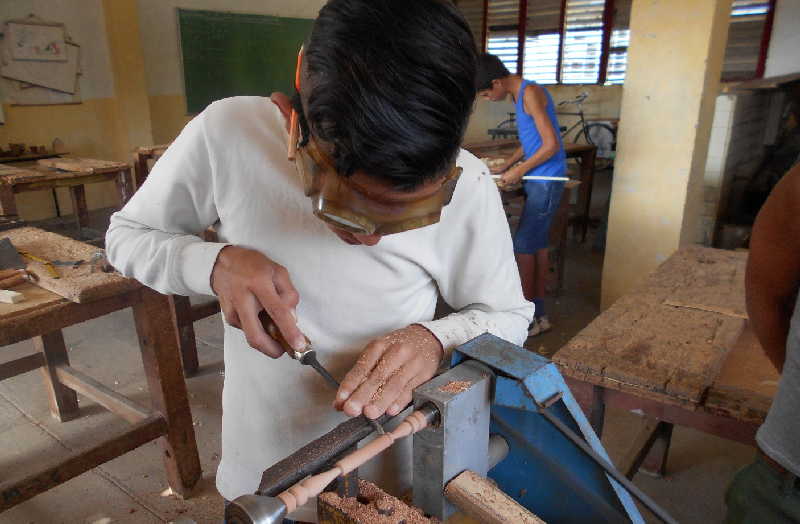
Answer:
(78, 284)
(162, 365)
(89, 166)
(57, 472)
(63, 400)
(106, 397)
(78, 194)
(746, 383)
(483, 500)
(62, 180)
(639, 448)
(20, 366)
(642, 346)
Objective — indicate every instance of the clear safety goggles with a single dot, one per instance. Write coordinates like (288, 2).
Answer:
(341, 203)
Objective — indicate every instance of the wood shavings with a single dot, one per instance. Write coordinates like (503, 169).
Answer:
(455, 386)
(375, 506)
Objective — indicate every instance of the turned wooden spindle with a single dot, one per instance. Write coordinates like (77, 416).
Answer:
(299, 494)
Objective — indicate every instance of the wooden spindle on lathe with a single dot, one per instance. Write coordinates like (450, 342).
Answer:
(299, 494)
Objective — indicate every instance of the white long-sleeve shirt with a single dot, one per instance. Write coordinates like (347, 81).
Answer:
(228, 168)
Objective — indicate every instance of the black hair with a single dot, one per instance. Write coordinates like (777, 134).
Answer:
(392, 86)
(489, 68)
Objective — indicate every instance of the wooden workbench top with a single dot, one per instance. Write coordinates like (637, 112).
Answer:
(508, 144)
(677, 338)
(58, 169)
(77, 284)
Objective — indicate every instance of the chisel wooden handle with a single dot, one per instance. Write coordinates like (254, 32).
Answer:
(273, 331)
(10, 282)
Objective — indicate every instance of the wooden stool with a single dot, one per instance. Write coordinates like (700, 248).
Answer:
(43, 315)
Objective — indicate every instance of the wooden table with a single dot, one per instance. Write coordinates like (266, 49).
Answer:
(42, 317)
(585, 153)
(73, 173)
(142, 158)
(679, 349)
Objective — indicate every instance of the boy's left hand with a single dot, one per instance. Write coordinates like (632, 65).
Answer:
(512, 176)
(387, 372)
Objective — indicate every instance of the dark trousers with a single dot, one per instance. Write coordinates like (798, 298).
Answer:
(760, 494)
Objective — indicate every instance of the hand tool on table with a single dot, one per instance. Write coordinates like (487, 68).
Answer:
(307, 357)
(9, 257)
(46, 263)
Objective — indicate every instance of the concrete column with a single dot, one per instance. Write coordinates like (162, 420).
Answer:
(132, 123)
(674, 63)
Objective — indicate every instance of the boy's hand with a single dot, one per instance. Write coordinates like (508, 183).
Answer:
(512, 176)
(247, 282)
(388, 371)
(496, 170)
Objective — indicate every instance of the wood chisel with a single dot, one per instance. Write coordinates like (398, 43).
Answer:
(307, 357)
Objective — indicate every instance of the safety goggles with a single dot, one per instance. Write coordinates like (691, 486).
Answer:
(343, 204)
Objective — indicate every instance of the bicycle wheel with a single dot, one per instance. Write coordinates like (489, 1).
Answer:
(603, 137)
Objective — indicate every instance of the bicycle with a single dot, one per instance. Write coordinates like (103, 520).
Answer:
(598, 134)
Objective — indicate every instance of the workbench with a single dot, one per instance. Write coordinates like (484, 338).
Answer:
(43, 315)
(679, 349)
(74, 173)
(584, 153)
(142, 158)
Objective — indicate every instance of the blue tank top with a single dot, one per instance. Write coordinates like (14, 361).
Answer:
(531, 140)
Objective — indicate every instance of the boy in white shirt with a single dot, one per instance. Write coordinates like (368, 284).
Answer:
(348, 244)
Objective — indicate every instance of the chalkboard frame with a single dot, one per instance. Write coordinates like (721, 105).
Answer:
(235, 67)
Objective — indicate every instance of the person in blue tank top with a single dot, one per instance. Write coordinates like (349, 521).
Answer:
(542, 156)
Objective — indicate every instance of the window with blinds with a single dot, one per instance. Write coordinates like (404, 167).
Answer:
(743, 51)
(580, 42)
(583, 41)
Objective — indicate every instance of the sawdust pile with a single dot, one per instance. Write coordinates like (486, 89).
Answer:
(374, 506)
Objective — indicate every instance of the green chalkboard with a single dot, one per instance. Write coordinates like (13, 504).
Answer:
(230, 54)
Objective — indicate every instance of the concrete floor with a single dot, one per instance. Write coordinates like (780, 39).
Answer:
(131, 488)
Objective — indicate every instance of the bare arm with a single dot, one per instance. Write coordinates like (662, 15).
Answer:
(535, 103)
(510, 161)
(773, 267)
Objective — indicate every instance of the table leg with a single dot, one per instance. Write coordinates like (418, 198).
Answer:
(141, 169)
(79, 206)
(587, 181)
(124, 186)
(162, 365)
(8, 204)
(597, 415)
(184, 326)
(63, 400)
(656, 462)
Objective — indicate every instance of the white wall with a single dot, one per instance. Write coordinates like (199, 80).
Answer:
(783, 56)
(159, 25)
(85, 23)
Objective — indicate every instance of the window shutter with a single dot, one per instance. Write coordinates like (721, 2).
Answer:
(583, 36)
(744, 39)
(542, 40)
(503, 19)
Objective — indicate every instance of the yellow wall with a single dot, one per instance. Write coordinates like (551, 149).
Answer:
(168, 115)
(99, 127)
(85, 130)
(673, 72)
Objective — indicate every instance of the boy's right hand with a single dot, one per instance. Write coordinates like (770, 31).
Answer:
(247, 282)
(496, 170)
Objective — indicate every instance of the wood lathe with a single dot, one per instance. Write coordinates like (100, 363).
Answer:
(497, 437)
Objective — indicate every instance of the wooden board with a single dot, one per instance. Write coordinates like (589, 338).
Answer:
(35, 297)
(717, 282)
(77, 284)
(645, 347)
(87, 166)
(747, 381)
(15, 176)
